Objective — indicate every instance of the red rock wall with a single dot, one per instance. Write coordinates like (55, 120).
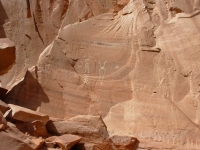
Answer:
(135, 63)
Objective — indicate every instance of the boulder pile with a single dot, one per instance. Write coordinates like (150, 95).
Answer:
(25, 129)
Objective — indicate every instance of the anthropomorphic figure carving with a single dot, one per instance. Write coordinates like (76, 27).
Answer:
(102, 71)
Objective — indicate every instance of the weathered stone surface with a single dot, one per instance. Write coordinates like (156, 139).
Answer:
(90, 128)
(35, 128)
(113, 143)
(42, 20)
(38, 142)
(66, 142)
(7, 55)
(27, 115)
(135, 63)
(124, 142)
(3, 107)
(13, 139)
(9, 142)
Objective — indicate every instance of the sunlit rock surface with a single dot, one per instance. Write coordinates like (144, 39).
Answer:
(135, 63)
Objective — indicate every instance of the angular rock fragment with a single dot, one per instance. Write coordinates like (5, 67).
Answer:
(27, 115)
(66, 142)
(91, 128)
(115, 142)
(3, 107)
(12, 143)
(35, 128)
(124, 142)
(13, 139)
(139, 67)
(38, 142)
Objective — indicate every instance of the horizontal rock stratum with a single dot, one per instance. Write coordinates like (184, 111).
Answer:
(109, 71)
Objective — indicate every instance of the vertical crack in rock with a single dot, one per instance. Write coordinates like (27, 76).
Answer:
(36, 28)
(38, 20)
(29, 13)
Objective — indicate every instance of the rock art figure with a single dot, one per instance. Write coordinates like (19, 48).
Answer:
(46, 70)
(108, 65)
(102, 71)
(86, 71)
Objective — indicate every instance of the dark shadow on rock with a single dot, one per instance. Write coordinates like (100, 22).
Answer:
(43, 148)
(7, 59)
(3, 18)
(28, 93)
(79, 146)
(3, 93)
(51, 128)
(136, 145)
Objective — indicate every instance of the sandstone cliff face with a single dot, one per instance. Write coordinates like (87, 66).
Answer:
(136, 63)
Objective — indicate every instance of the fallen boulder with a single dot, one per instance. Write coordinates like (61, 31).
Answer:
(66, 142)
(124, 142)
(35, 128)
(90, 128)
(12, 143)
(38, 142)
(13, 139)
(26, 115)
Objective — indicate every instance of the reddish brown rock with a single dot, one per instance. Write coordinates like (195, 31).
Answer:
(113, 143)
(124, 142)
(50, 144)
(38, 142)
(9, 142)
(95, 146)
(3, 122)
(135, 64)
(7, 55)
(90, 128)
(27, 115)
(66, 142)
(13, 139)
(35, 128)
(3, 107)
(3, 93)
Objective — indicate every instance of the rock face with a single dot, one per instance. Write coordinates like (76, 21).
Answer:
(133, 62)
